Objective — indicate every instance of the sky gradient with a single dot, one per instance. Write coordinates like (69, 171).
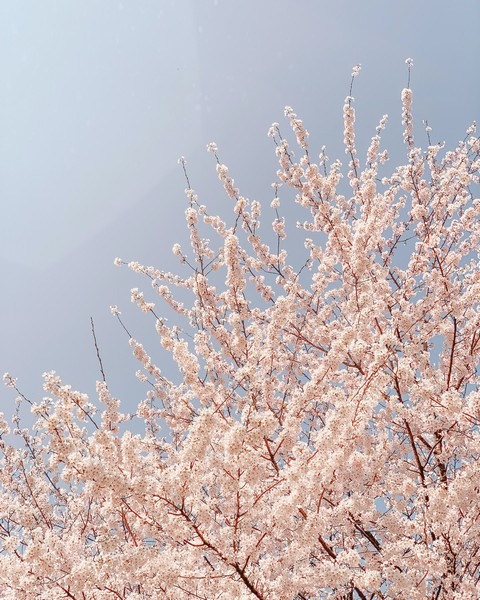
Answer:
(99, 99)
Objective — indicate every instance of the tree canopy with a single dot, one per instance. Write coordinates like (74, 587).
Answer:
(323, 438)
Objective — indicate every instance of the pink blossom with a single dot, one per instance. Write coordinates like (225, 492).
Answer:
(319, 435)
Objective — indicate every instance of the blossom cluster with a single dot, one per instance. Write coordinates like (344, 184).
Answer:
(322, 439)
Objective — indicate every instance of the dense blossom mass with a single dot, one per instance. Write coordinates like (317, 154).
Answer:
(322, 438)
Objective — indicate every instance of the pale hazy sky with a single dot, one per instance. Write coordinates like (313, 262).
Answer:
(99, 99)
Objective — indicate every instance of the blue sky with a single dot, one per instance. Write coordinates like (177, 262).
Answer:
(99, 99)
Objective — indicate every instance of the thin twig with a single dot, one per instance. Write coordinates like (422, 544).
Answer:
(98, 351)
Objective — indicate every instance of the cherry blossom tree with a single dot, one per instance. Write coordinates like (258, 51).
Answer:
(322, 438)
